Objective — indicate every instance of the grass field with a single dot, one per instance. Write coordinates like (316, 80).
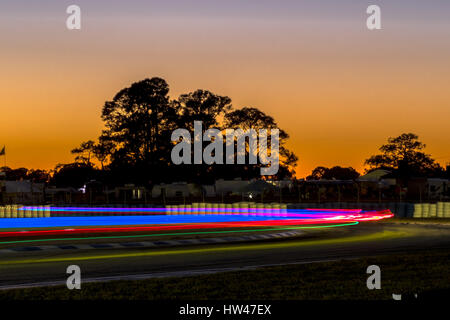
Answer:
(425, 274)
(445, 221)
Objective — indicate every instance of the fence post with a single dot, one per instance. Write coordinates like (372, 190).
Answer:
(420, 194)
(379, 193)
(318, 194)
(339, 194)
(357, 193)
(299, 195)
(281, 194)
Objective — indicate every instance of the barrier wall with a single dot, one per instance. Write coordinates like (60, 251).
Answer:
(400, 209)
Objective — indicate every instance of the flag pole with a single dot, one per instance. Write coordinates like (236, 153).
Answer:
(4, 156)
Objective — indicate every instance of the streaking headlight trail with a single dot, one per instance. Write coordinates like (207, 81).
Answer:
(118, 220)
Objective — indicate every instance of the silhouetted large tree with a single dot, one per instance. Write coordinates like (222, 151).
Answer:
(73, 175)
(334, 173)
(404, 154)
(34, 175)
(84, 152)
(139, 120)
(253, 118)
(202, 105)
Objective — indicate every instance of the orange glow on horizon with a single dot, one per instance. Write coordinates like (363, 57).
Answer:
(337, 89)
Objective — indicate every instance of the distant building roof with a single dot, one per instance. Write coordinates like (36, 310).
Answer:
(23, 187)
(374, 175)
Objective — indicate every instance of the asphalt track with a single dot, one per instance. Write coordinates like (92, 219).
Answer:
(26, 269)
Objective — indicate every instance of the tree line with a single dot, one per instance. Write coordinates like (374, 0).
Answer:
(135, 144)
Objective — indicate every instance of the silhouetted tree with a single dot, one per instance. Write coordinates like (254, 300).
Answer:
(136, 142)
(89, 150)
(317, 174)
(404, 155)
(334, 173)
(139, 121)
(34, 175)
(73, 175)
(253, 118)
(103, 150)
(15, 174)
(208, 107)
(84, 152)
(202, 105)
(38, 176)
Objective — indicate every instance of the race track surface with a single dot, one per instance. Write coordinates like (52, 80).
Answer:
(25, 269)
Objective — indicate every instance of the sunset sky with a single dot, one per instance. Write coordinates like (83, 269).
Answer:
(337, 88)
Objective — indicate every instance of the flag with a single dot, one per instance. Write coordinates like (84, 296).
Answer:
(2, 152)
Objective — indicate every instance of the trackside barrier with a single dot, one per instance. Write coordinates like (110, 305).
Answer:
(447, 210)
(14, 211)
(418, 212)
(440, 209)
(407, 210)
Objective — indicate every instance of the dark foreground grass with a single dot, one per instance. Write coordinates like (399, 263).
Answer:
(445, 221)
(425, 274)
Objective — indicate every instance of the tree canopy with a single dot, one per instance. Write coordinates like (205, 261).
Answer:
(404, 155)
(334, 173)
(253, 118)
(135, 145)
(34, 175)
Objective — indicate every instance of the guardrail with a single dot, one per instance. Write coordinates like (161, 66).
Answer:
(15, 211)
(400, 209)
